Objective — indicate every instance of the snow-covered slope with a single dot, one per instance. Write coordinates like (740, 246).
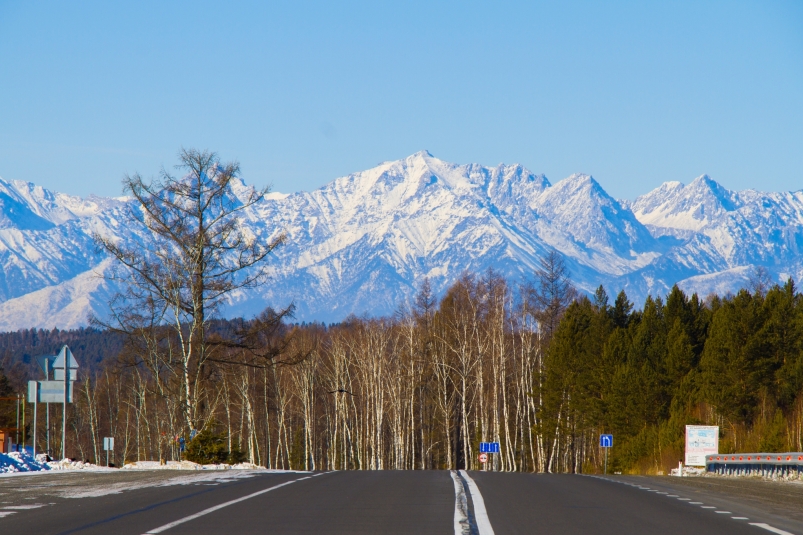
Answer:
(364, 242)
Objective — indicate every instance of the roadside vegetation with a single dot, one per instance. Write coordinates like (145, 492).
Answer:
(422, 389)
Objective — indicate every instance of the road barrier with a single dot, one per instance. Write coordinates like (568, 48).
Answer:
(787, 465)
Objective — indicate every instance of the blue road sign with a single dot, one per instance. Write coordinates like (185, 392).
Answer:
(606, 441)
(489, 447)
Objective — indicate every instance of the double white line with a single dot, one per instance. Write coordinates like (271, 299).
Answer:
(462, 521)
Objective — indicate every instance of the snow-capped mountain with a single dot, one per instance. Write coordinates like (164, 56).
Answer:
(364, 242)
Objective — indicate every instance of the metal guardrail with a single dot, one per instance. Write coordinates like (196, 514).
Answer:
(785, 465)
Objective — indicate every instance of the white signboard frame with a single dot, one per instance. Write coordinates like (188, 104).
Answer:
(49, 392)
(701, 440)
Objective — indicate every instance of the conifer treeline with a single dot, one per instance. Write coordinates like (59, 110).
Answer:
(530, 366)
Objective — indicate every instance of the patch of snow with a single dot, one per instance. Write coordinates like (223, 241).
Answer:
(15, 462)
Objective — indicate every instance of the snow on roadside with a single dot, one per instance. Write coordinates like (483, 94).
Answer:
(189, 465)
(212, 476)
(17, 461)
(69, 464)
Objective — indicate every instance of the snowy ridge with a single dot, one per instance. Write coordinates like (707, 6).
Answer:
(364, 242)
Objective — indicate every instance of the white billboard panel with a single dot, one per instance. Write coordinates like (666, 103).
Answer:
(701, 440)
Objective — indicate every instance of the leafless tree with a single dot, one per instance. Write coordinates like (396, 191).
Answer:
(195, 254)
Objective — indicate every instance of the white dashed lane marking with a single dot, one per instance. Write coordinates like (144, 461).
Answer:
(770, 528)
(761, 525)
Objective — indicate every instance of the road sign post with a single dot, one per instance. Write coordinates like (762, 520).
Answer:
(33, 397)
(490, 447)
(65, 367)
(108, 445)
(58, 390)
(46, 363)
(606, 443)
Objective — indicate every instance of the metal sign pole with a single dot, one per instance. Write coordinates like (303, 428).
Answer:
(17, 436)
(35, 399)
(64, 412)
(47, 417)
(606, 461)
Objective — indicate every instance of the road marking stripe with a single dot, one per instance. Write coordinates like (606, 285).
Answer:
(461, 524)
(770, 528)
(480, 515)
(760, 525)
(217, 507)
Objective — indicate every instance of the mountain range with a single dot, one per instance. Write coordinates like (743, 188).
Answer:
(364, 242)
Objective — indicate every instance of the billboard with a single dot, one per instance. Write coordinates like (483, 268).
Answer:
(701, 440)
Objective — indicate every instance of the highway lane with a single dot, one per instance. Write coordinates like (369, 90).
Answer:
(129, 512)
(391, 502)
(394, 502)
(559, 504)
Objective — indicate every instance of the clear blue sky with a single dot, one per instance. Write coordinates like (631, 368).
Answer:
(635, 93)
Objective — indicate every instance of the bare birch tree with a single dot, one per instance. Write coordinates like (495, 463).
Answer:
(195, 254)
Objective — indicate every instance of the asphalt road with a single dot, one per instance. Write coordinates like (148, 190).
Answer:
(377, 502)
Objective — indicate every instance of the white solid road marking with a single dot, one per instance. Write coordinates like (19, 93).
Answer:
(217, 507)
(461, 525)
(480, 515)
(770, 528)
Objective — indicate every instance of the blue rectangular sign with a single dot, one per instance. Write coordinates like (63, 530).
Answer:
(606, 441)
(489, 447)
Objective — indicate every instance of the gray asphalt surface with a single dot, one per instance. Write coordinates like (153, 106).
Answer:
(566, 504)
(381, 502)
